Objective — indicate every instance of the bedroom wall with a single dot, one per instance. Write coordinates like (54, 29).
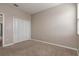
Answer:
(56, 25)
(9, 12)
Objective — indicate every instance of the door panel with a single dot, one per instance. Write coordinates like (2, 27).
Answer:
(20, 30)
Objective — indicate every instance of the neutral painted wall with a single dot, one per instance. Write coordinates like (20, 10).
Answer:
(56, 25)
(9, 12)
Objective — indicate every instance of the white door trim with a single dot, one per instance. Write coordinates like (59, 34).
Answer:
(3, 28)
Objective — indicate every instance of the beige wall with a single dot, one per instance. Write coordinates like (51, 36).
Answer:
(56, 25)
(9, 12)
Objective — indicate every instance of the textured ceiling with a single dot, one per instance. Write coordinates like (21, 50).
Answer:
(33, 8)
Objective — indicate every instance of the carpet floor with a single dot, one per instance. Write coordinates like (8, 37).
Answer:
(34, 48)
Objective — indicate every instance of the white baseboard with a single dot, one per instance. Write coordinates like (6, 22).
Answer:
(44, 42)
(21, 41)
(8, 44)
(56, 44)
(14, 43)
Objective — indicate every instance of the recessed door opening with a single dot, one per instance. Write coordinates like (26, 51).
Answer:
(1, 29)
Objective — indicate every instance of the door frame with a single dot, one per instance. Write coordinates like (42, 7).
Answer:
(13, 30)
(3, 27)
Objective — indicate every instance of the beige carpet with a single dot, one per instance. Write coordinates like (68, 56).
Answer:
(34, 48)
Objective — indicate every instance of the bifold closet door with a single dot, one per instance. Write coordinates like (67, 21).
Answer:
(20, 30)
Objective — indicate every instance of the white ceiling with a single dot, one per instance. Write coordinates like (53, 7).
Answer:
(33, 8)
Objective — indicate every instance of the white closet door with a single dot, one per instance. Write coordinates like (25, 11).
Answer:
(20, 30)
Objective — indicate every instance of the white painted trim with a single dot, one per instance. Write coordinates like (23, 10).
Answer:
(3, 28)
(8, 44)
(20, 41)
(56, 44)
(14, 43)
(13, 31)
